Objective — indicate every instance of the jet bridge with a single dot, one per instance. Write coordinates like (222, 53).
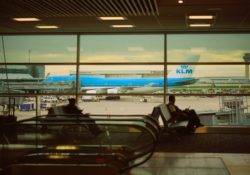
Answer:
(64, 144)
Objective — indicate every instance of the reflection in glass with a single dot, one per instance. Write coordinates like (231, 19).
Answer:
(210, 47)
(122, 48)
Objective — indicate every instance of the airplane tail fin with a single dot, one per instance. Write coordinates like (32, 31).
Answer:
(184, 70)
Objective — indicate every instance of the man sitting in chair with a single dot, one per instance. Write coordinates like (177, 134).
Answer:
(73, 111)
(183, 115)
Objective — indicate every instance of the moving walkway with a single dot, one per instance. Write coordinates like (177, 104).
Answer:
(64, 144)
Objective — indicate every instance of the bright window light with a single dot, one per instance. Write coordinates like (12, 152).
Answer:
(122, 26)
(112, 18)
(26, 19)
(200, 16)
(199, 25)
(46, 27)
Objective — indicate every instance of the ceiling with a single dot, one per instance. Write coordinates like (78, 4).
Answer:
(73, 16)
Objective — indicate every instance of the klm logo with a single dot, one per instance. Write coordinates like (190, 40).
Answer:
(184, 69)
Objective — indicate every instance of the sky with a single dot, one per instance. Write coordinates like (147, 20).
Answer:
(129, 48)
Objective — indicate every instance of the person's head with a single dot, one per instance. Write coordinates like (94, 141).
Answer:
(171, 98)
(72, 101)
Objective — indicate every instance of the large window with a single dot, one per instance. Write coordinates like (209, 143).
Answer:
(122, 48)
(208, 47)
(202, 66)
(121, 79)
(38, 79)
(218, 110)
(40, 49)
(207, 79)
(129, 73)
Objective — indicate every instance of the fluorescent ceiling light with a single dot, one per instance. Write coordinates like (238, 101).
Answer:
(122, 26)
(46, 27)
(26, 19)
(200, 16)
(112, 18)
(180, 1)
(199, 25)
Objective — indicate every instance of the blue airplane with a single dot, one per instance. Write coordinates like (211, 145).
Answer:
(182, 75)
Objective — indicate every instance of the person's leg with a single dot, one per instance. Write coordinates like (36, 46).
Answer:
(194, 117)
(191, 123)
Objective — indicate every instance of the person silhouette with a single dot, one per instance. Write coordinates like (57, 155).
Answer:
(183, 115)
(71, 110)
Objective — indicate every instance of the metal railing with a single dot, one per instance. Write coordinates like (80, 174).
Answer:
(131, 139)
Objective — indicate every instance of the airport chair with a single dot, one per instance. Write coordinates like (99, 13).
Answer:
(57, 114)
(162, 115)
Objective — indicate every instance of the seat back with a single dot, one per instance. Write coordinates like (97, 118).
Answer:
(156, 115)
(165, 114)
(161, 114)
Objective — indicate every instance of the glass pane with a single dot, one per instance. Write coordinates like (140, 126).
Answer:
(122, 48)
(42, 49)
(115, 79)
(22, 107)
(48, 101)
(208, 47)
(208, 79)
(38, 79)
(218, 110)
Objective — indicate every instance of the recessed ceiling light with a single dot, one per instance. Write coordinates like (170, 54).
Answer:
(26, 19)
(180, 1)
(47, 27)
(200, 16)
(112, 18)
(122, 26)
(199, 25)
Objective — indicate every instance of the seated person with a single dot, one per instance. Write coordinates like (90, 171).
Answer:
(74, 111)
(183, 115)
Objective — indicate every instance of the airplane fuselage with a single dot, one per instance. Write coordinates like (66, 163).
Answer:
(98, 81)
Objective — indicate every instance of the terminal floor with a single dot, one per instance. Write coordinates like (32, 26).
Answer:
(208, 140)
(194, 164)
(226, 152)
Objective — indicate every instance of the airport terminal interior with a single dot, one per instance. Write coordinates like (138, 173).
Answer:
(84, 87)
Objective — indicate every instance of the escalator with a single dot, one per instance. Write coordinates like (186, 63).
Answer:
(66, 145)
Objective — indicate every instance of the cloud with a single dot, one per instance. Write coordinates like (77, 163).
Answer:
(120, 68)
(206, 55)
(71, 49)
(135, 49)
(143, 56)
(59, 70)
(50, 55)
(198, 50)
(103, 58)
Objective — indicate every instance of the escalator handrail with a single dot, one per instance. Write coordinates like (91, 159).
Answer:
(143, 118)
(138, 122)
(131, 123)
